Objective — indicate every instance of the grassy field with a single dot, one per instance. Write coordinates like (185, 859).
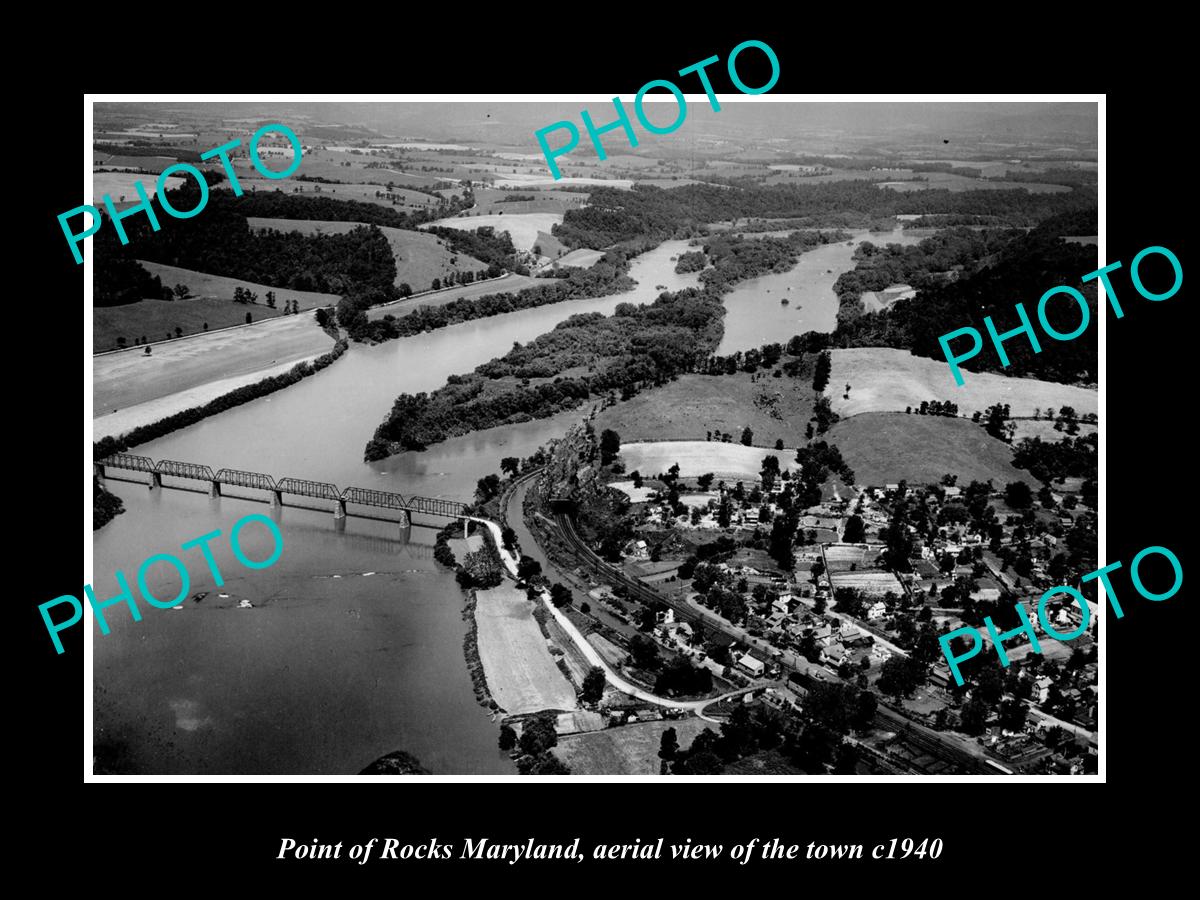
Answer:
(627, 750)
(550, 246)
(584, 259)
(883, 448)
(120, 186)
(211, 302)
(364, 192)
(490, 201)
(687, 408)
(420, 257)
(131, 378)
(698, 457)
(522, 228)
(520, 672)
(883, 379)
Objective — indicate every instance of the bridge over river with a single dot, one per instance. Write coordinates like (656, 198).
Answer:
(348, 502)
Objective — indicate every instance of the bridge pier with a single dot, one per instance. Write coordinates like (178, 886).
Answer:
(98, 469)
(466, 522)
(216, 489)
(339, 511)
(155, 480)
(277, 499)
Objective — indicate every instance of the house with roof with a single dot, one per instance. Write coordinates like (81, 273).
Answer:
(834, 655)
(876, 611)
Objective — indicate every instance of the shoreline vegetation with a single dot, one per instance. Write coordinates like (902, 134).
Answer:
(144, 433)
(105, 506)
(639, 346)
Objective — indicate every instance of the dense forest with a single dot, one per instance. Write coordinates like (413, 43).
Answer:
(221, 242)
(1021, 270)
(939, 258)
(614, 216)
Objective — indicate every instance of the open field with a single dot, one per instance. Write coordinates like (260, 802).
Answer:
(130, 377)
(584, 259)
(130, 417)
(875, 584)
(883, 448)
(510, 283)
(883, 379)
(364, 192)
(420, 257)
(522, 228)
(627, 750)
(550, 247)
(698, 457)
(520, 672)
(690, 406)
(491, 201)
(120, 185)
(211, 302)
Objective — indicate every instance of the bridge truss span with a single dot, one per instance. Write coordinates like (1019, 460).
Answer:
(300, 487)
(370, 497)
(185, 470)
(239, 478)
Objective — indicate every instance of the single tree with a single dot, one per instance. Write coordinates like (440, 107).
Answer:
(610, 446)
(747, 436)
(593, 685)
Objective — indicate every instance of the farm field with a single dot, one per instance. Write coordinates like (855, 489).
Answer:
(882, 378)
(420, 257)
(698, 457)
(130, 378)
(363, 192)
(690, 406)
(876, 584)
(522, 228)
(584, 259)
(549, 246)
(120, 185)
(521, 674)
(627, 750)
(883, 448)
(211, 302)
(489, 201)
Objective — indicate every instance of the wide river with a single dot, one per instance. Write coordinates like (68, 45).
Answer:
(353, 647)
(755, 315)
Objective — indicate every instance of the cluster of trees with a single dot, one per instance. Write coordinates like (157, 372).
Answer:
(221, 242)
(105, 506)
(818, 461)
(692, 261)
(937, 258)
(1019, 270)
(935, 408)
(538, 738)
(1051, 460)
(485, 244)
(143, 433)
(143, 148)
(635, 347)
(736, 259)
(570, 283)
(120, 279)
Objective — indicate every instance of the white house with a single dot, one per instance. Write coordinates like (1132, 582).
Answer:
(754, 666)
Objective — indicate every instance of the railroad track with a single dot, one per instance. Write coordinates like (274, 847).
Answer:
(915, 734)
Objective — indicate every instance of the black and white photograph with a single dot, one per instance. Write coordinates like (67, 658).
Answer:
(497, 438)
